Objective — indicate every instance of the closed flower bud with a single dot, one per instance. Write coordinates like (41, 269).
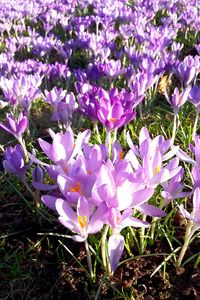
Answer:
(38, 174)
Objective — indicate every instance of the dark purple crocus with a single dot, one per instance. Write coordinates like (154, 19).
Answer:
(113, 109)
(194, 97)
(15, 162)
(188, 70)
(16, 127)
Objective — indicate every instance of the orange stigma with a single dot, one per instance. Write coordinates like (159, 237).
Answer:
(112, 120)
(76, 188)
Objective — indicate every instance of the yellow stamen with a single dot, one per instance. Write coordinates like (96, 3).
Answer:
(89, 172)
(76, 188)
(82, 221)
(156, 170)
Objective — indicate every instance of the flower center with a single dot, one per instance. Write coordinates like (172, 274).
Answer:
(156, 170)
(82, 221)
(76, 188)
(112, 120)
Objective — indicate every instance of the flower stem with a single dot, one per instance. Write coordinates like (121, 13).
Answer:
(142, 234)
(35, 197)
(153, 228)
(174, 129)
(108, 141)
(103, 247)
(195, 126)
(96, 128)
(89, 260)
(188, 235)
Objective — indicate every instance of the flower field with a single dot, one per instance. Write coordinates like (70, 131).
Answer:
(99, 149)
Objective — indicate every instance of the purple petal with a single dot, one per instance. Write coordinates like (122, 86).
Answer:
(97, 219)
(44, 187)
(196, 204)
(184, 212)
(83, 207)
(151, 210)
(49, 201)
(141, 196)
(65, 210)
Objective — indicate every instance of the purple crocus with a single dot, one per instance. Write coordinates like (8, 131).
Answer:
(63, 147)
(15, 162)
(188, 70)
(116, 109)
(17, 126)
(194, 97)
(178, 99)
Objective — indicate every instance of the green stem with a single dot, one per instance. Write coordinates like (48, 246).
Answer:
(142, 235)
(108, 141)
(35, 197)
(96, 128)
(195, 126)
(189, 233)
(89, 260)
(103, 247)
(25, 150)
(174, 129)
(153, 228)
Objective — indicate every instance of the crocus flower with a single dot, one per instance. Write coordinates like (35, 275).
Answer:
(118, 221)
(116, 109)
(81, 222)
(15, 162)
(54, 96)
(188, 69)
(14, 126)
(21, 91)
(178, 99)
(113, 181)
(173, 189)
(63, 147)
(194, 97)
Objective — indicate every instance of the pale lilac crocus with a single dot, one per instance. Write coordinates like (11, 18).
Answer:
(82, 222)
(113, 182)
(63, 147)
(118, 221)
(177, 100)
(173, 189)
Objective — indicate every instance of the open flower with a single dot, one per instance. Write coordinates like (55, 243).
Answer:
(16, 127)
(82, 222)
